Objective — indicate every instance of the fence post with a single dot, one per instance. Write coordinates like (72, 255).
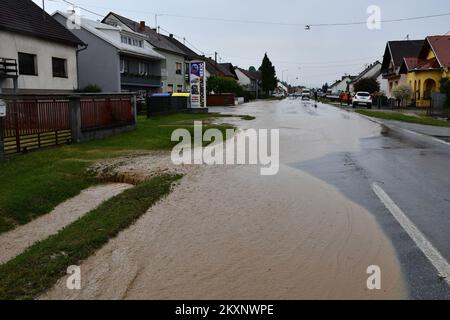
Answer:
(134, 106)
(2, 139)
(75, 118)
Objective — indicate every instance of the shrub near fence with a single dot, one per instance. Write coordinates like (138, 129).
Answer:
(37, 121)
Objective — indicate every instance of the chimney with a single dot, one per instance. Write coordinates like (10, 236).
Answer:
(142, 26)
(171, 35)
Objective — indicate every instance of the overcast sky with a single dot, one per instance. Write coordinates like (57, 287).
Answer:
(319, 55)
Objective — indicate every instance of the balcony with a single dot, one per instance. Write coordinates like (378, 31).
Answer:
(140, 80)
(8, 68)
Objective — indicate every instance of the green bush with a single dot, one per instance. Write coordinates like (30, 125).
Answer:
(220, 85)
(90, 88)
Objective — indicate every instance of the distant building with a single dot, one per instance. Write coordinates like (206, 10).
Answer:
(425, 71)
(116, 59)
(373, 71)
(341, 85)
(249, 80)
(37, 54)
(394, 54)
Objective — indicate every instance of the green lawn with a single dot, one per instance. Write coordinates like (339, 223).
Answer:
(405, 118)
(32, 185)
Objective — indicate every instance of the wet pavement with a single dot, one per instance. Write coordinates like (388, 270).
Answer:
(309, 232)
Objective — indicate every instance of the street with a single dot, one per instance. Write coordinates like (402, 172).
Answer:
(309, 232)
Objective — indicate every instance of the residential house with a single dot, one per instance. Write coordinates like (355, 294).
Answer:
(425, 71)
(393, 58)
(372, 71)
(249, 80)
(37, 54)
(174, 67)
(341, 85)
(115, 59)
(281, 88)
(219, 69)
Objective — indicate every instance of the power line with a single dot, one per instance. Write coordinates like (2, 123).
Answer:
(81, 8)
(228, 20)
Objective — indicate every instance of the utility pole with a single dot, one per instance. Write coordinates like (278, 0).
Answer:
(156, 22)
(215, 56)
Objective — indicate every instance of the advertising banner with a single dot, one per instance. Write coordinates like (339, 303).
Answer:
(197, 84)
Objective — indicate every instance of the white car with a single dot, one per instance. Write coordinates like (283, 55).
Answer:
(306, 95)
(362, 99)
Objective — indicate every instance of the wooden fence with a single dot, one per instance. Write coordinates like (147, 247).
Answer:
(37, 121)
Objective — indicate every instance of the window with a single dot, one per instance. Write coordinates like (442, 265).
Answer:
(170, 88)
(124, 39)
(178, 68)
(59, 67)
(124, 66)
(179, 88)
(143, 68)
(27, 64)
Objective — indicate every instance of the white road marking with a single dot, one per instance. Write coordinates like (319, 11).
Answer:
(436, 259)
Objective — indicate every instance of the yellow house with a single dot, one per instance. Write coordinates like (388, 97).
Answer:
(425, 72)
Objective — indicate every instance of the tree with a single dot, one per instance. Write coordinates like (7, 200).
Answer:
(252, 69)
(268, 75)
(367, 85)
(402, 93)
(219, 85)
(325, 87)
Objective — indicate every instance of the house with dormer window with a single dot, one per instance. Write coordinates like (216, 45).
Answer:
(116, 59)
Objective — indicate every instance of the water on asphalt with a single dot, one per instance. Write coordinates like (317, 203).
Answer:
(228, 233)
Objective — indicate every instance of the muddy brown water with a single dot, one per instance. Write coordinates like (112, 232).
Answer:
(228, 233)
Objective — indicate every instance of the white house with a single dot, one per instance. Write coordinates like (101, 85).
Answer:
(373, 71)
(116, 59)
(37, 54)
(341, 85)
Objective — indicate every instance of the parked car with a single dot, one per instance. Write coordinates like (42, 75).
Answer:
(362, 99)
(306, 94)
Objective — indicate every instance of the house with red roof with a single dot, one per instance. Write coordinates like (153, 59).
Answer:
(425, 71)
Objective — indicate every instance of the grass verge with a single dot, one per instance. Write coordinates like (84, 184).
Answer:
(32, 185)
(405, 118)
(38, 268)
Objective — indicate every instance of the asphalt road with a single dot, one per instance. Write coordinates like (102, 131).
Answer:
(413, 171)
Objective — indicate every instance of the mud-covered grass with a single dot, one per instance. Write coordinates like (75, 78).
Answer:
(32, 185)
(38, 268)
(405, 118)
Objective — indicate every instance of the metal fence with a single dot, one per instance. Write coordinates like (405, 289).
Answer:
(438, 107)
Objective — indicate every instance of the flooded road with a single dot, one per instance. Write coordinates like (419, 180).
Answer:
(228, 233)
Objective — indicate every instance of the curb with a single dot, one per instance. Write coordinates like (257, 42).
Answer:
(406, 133)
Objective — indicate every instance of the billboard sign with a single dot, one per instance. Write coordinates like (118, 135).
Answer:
(197, 84)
